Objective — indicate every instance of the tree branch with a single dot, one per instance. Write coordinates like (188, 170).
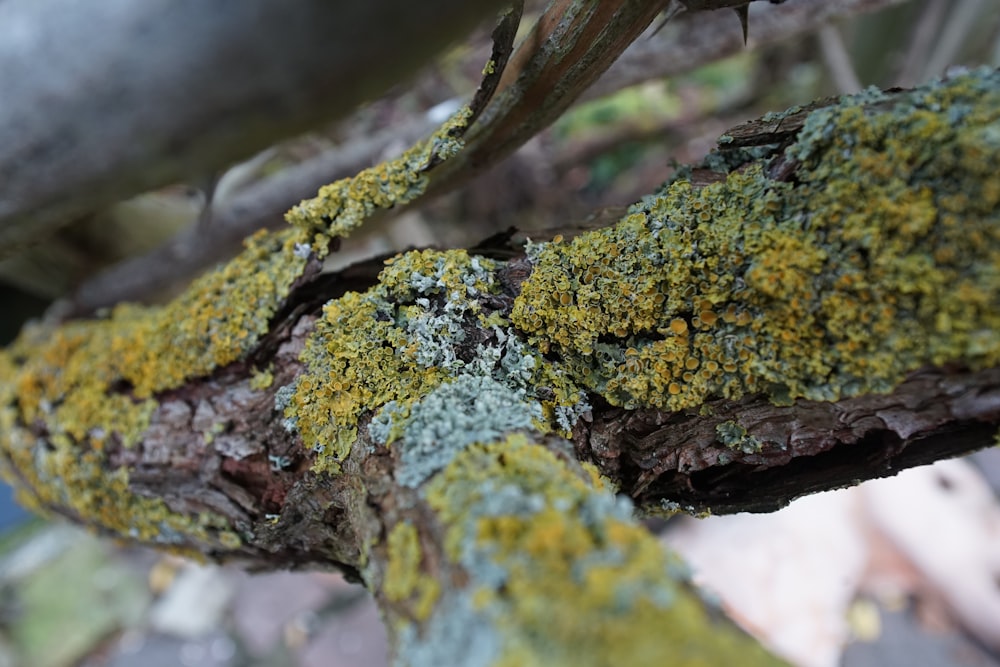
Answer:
(690, 40)
(814, 304)
(684, 44)
(260, 206)
(89, 119)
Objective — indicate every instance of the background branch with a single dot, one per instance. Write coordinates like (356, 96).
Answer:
(89, 119)
(688, 41)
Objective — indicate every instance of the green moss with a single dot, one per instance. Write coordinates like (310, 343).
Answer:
(550, 558)
(883, 257)
(403, 577)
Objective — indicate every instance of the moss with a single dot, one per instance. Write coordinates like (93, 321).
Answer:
(403, 577)
(550, 558)
(882, 258)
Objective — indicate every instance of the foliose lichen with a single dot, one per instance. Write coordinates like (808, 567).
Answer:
(85, 383)
(341, 207)
(550, 557)
(454, 415)
(881, 257)
(735, 436)
(386, 348)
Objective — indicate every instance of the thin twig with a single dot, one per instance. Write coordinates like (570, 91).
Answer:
(920, 43)
(837, 59)
(960, 21)
(693, 40)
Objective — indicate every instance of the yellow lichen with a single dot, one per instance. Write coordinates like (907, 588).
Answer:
(400, 340)
(261, 379)
(881, 258)
(86, 382)
(550, 558)
(403, 578)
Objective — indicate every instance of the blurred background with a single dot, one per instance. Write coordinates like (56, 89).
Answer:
(859, 581)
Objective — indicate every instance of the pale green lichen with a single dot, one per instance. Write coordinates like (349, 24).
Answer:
(734, 436)
(550, 558)
(456, 634)
(454, 415)
(883, 257)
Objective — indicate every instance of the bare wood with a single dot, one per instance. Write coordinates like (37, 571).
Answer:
(670, 461)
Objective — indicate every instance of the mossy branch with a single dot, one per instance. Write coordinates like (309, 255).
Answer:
(814, 305)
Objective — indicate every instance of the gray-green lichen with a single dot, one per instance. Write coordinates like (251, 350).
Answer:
(388, 349)
(734, 436)
(551, 555)
(454, 415)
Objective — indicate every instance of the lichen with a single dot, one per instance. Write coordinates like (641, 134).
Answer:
(88, 382)
(734, 436)
(341, 207)
(550, 558)
(385, 349)
(85, 383)
(261, 379)
(880, 258)
(456, 634)
(403, 578)
(454, 415)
